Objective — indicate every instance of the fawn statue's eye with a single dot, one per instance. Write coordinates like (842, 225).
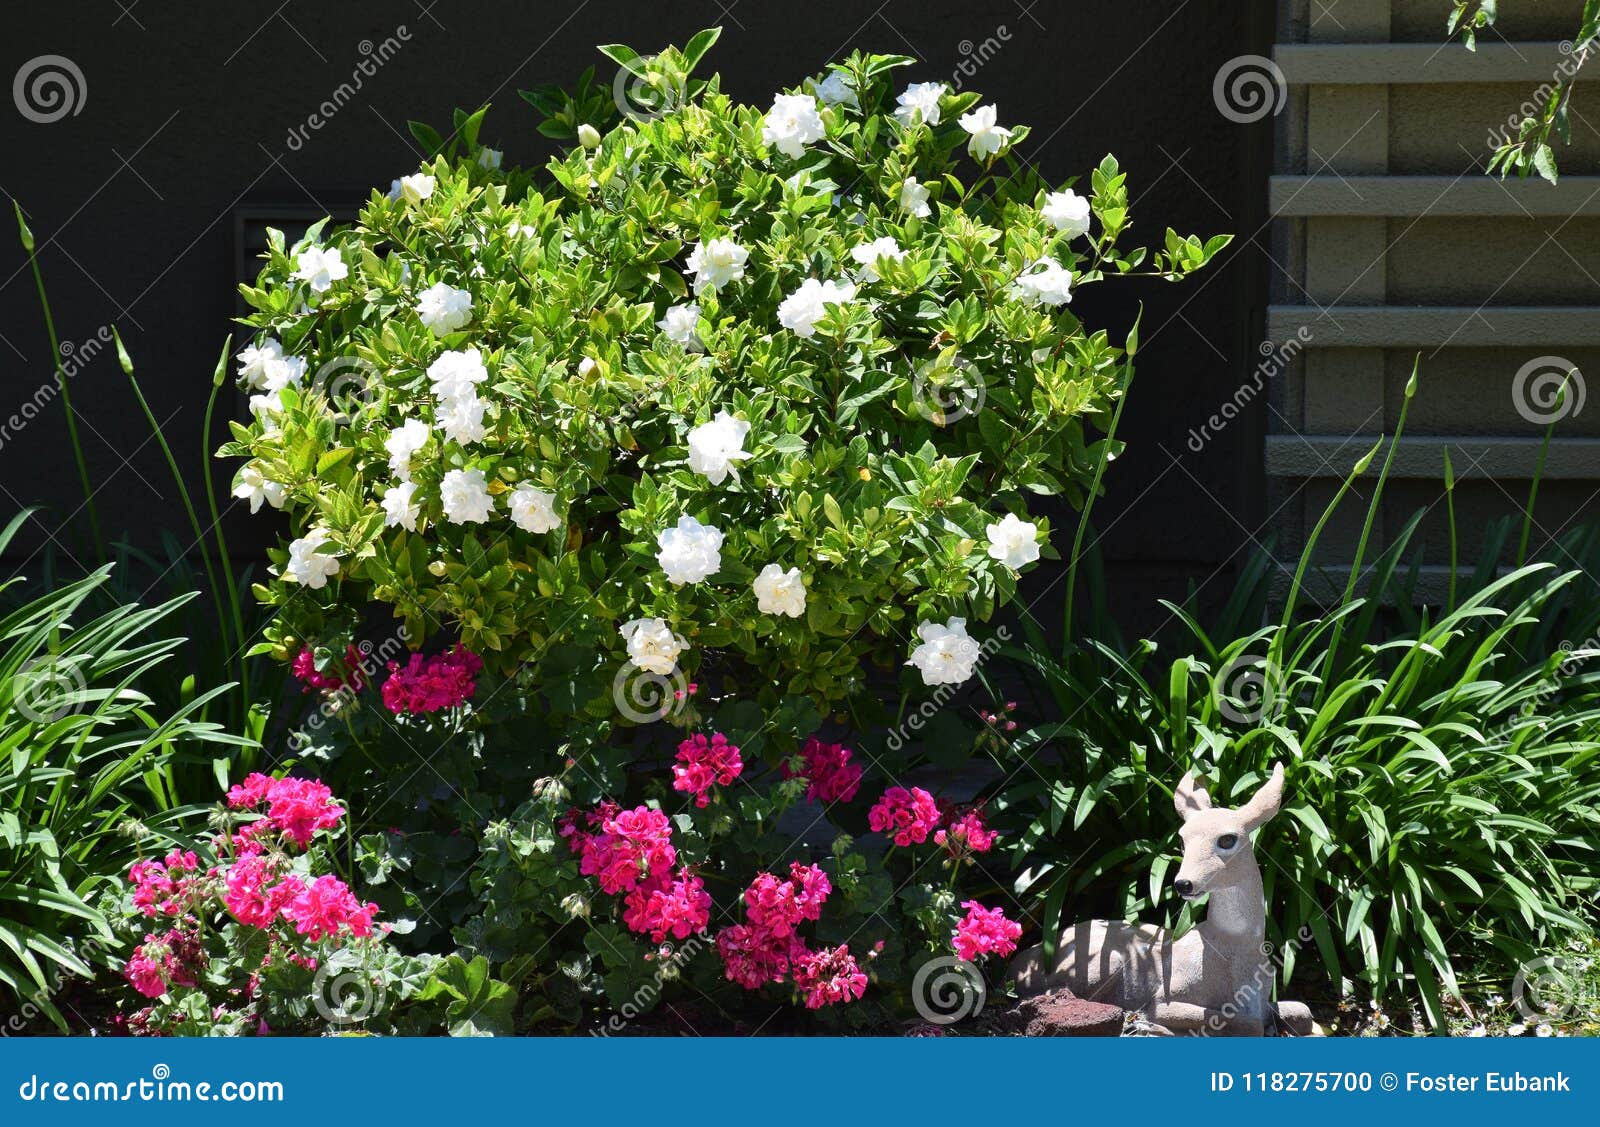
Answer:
(1227, 841)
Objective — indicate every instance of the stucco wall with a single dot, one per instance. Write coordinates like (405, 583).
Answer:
(1393, 243)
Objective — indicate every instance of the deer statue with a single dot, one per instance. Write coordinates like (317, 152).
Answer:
(1216, 978)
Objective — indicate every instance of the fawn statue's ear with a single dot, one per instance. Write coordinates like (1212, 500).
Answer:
(1190, 798)
(1265, 802)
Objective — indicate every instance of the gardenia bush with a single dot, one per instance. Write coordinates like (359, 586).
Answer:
(760, 391)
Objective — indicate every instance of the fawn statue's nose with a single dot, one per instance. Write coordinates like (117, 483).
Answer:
(1184, 887)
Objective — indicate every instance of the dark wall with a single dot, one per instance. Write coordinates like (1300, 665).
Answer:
(187, 116)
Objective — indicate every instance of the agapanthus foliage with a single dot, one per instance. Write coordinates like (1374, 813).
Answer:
(776, 382)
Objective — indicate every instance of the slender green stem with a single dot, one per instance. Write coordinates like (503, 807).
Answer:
(1450, 512)
(183, 492)
(216, 523)
(1366, 532)
(61, 384)
(1094, 487)
(1538, 475)
(1280, 636)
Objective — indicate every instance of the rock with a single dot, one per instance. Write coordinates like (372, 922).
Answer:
(1059, 1013)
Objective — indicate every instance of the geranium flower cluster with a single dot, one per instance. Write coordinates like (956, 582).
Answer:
(767, 948)
(296, 808)
(827, 768)
(704, 763)
(984, 931)
(630, 853)
(256, 882)
(305, 669)
(431, 684)
(908, 816)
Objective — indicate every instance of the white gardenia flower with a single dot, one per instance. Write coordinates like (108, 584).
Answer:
(457, 374)
(266, 408)
(947, 654)
(987, 137)
(716, 447)
(403, 442)
(690, 552)
(444, 309)
(780, 592)
(652, 646)
(320, 268)
(461, 419)
(1046, 282)
(867, 255)
(533, 510)
(284, 371)
(416, 187)
(678, 323)
(585, 366)
(588, 136)
(837, 90)
(310, 563)
(394, 190)
(465, 496)
(400, 506)
(254, 359)
(490, 158)
(914, 198)
(1066, 212)
(255, 488)
(1013, 542)
(265, 367)
(801, 310)
(919, 103)
(792, 124)
(715, 264)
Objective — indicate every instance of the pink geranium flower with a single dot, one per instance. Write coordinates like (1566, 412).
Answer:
(305, 668)
(828, 770)
(631, 846)
(296, 808)
(703, 763)
(829, 976)
(967, 834)
(325, 907)
(679, 907)
(430, 684)
(985, 931)
(908, 815)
